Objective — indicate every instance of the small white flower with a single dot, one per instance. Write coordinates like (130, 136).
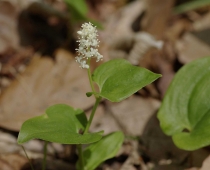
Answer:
(88, 43)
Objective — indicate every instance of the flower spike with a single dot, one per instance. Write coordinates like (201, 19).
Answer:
(88, 44)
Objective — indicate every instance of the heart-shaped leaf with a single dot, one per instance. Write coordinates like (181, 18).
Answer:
(118, 79)
(102, 150)
(185, 111)
(61, 124)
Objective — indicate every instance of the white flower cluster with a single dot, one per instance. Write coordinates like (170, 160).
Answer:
(88, 44)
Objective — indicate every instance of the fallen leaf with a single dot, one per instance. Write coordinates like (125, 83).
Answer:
(157, 15)
(190, 48)
(202, 23)
(4, 165)
(206, 164)
(14, 161)
(119, 25)
(45, 82)
(103, 120)
(8, 23)
(134, 109)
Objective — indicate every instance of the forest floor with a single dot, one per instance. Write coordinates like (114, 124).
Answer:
(38, 69)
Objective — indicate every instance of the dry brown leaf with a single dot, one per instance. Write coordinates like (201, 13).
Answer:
(8, 26)
(190, 48)
(175, 31)
(206, 164)
(43, 84)
(13, 161)
(202, 23)
(133, 114)
(4, 165)
(103, 120)
(157, 15)
(120, 24)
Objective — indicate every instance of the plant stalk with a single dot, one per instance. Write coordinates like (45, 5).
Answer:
(45, 155)
(98, 99)
(81, 158)
(27, 158)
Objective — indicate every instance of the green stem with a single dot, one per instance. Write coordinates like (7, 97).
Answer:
(45, 156)
(81, 158)
(27, 158)
(98, 99)
(90, 78)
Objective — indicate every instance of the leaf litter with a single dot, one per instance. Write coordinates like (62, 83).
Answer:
(44, 82)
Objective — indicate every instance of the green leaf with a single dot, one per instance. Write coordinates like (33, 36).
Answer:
(79, 12)
(61, 124)
(78, 5)
(102, 150)
(185, 111)
(118, 79)
(195, 4)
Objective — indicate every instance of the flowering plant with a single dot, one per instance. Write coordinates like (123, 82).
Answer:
(117, 79)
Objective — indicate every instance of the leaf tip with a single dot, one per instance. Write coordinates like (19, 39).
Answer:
(19, 141)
